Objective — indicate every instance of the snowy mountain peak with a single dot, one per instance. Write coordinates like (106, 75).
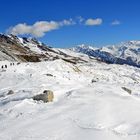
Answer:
(123, 53)
(83, 48)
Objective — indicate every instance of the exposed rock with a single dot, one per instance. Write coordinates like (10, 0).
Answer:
(47, 96)
(76, 69)
(48, 74)
(10, 92)
(29, 58)
(18, 63)
(127, 90)
(93, 81)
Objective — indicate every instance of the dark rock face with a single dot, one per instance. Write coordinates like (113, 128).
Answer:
(47, 96)
(30, 58)
(127, 90)
(48, 74)
(93, 81)
(10, 92)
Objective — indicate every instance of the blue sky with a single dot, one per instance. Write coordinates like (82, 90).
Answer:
(65, 23)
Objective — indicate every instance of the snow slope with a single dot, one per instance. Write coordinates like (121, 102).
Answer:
(99, 110)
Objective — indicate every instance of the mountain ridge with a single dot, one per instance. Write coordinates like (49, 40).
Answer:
(124, 53)
(14, 48)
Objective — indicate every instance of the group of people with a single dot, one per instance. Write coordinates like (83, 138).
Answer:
(11, 64)
(4, 66)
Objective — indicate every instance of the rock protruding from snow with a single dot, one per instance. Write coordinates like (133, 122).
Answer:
(10, 92)
(127, 90)
(47, 96)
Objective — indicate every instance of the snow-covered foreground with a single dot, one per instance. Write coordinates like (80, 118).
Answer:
(81, 110)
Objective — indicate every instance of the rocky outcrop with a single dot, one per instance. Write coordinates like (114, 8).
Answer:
(47, 96)
(10, 92)
(127, 90)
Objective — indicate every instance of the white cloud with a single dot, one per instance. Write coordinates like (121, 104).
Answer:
(116, 22)
(80, 19)
(39, 28)
(66, 22)
(93, 22)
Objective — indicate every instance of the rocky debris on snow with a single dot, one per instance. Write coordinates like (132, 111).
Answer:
(18, 63)
(93, 81)
(76, 69)
(48, 74)
(47, 96)
(127, 90)
(10, 92)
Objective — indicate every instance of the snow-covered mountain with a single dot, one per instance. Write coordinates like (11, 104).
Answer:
(92, 99)
(124, 53)
(24, 49)
(13, 48)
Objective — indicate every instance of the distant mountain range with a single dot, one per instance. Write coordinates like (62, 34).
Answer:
(13, 48)
(124, 53)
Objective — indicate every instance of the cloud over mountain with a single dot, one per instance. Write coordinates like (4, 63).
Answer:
(39, 28)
